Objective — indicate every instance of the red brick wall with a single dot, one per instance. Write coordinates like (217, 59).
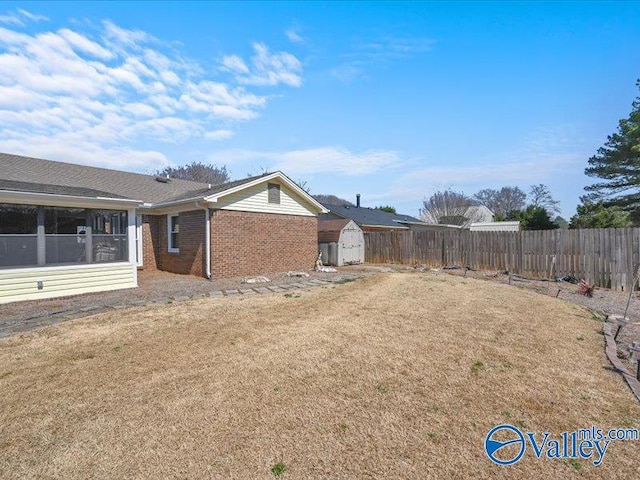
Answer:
(150, 242)
(247, 243)
(190, 259)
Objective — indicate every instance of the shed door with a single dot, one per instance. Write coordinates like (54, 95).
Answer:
(352, 245)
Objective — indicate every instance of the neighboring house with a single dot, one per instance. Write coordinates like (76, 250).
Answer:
(495, 227)
(68, 229)
(373, 220)
(341, 242)
(473, 214)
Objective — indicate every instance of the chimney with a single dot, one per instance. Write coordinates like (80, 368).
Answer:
(357, 200)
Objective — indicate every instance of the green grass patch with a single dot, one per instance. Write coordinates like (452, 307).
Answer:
(381, 388)
(477, 367)
(278, 469)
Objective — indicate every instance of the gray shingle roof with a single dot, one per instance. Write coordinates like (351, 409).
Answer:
(114, 182)
(371, 216)
(14, 186)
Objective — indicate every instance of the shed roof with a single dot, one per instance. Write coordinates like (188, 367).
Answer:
(330, 230)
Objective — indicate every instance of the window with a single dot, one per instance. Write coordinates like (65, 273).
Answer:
(173, 233)
(274, 192)
(41, 236)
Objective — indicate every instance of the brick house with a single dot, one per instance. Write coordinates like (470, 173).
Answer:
(68, 229)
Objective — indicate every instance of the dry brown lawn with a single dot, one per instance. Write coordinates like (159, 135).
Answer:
(395, 376)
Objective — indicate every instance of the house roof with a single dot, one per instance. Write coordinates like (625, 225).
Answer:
(364, 216)
(27, 174)
(15, 186)
(114, 183)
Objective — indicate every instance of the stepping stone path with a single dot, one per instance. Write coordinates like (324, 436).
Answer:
(13, 327)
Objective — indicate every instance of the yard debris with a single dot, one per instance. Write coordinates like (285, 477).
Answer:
(451, 267)
(297, 274)
(325, 269)
(585, 288)
(321, 268)
(255, 280)
(570, 279)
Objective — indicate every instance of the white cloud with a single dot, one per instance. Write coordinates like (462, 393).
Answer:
(20, 17)
(235, 64)
(266, 68)
(109, 90)
(293, 35)
(379, 51)
(219, 134)
(11, 19)
(328, 159)
(525, 171)
(32, 16)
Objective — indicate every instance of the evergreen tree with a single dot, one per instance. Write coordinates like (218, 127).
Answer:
(533, 218)
(596, 215)
(387, 208)
(617, 163)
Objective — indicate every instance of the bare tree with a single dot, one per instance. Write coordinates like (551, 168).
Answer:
(502, 201)
(303, 184)
(541, 197)
(444, 204)
(198, 172)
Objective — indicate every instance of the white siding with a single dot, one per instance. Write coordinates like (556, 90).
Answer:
(255, 199)
(22, 284)
(495, 227)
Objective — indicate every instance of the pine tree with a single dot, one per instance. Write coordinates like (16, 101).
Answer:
(617, 163)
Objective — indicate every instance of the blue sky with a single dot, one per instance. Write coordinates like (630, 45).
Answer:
(390, 100)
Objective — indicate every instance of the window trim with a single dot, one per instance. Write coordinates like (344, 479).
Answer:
(170, 248)
(139, 246)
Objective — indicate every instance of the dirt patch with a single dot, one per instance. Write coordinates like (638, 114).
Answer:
(393, 376)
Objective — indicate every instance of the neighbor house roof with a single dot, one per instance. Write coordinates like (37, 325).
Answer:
(473, 214)
(372, 217)
(36, 171)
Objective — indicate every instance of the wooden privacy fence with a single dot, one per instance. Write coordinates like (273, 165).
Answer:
(606, 257)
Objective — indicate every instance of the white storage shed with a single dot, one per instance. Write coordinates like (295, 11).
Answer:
(341, 242)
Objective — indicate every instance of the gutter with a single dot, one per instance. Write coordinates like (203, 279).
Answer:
(207, 238)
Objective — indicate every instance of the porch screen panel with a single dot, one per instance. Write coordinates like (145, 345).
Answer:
(18, 235)
(66, 235)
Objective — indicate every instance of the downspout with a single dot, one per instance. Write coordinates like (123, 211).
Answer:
(207, 238)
